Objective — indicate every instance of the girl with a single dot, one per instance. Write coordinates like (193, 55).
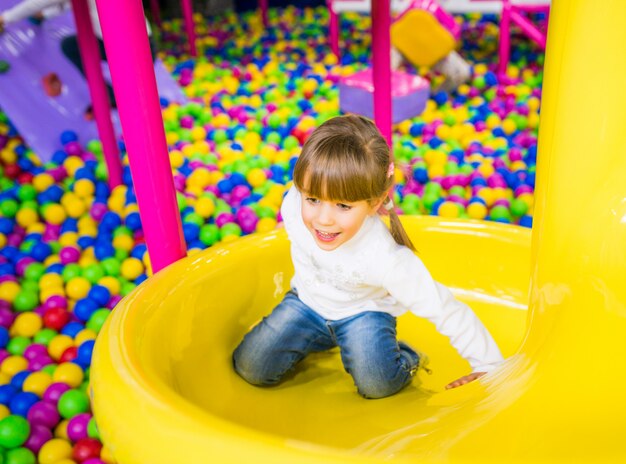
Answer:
(354, 276)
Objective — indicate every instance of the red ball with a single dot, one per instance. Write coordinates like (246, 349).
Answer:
(25, 178)
(86, 448)
(69, 354)
(56, 318)
(12, 171)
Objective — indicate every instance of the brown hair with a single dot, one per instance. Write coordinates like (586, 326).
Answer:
(347, 159)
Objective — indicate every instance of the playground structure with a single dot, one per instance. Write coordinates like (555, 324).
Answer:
(33, 52)
(161, 374)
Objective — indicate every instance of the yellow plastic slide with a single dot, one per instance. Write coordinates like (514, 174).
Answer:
(164, 391)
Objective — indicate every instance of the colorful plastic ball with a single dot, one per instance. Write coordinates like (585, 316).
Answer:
(131, 268)
(56, 318)
(54, 451)
(92, 429)
(7, 392)
(13, 364)
(77, 288)
(77, 427)
(86, 448)
(23, 455)
(39, 435)
(500, 214)
(18, 344)
(25, 301)
(85, 351)
(4, 337)
(73, 402)
(22, 402)
(54, 392)
(58, 345)
(68, 373)
(14, 431)
(97, 320)
(477, 210)
(44, 413)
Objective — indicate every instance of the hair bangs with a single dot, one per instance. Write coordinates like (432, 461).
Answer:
(336, 173)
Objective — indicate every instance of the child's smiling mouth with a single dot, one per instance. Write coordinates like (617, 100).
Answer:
(326, 236)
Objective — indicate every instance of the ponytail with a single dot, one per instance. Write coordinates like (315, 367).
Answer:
(395, 226)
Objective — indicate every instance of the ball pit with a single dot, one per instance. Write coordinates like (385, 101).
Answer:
(71, 248)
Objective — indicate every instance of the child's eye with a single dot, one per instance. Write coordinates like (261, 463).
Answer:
(344, 207)
(313, 201)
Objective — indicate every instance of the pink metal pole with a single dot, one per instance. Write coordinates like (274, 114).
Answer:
(189, 26)
(381, 64)
(90, 55)
(156, 12)
(505, 32)
(135, 89)
(528, 28)
(264, 5)
(333, 29)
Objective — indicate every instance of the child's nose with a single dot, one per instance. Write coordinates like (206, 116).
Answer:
(325, 215)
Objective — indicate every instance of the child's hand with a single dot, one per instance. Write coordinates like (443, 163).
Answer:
(465, 379)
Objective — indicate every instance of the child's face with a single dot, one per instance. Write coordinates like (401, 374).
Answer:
(333, 223)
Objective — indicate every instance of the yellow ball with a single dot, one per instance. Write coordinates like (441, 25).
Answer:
(68, 239)
(132, 268)
(256, 177)
(4, 411)
(3, 240)
(37, 383)
(198, 133)
(111, 283)
(123, 242)
(55, 450)
(42, 181)
(83, 336)
(9, 290)
(75, 208)
(50, 280)
(204, 207)
(26, 325)
(68, 373)
(448, 209)
(265, 224)
(45, 293)
(26, 217)
(477, 210)
(77, 288)
(58, 345)
(14, 364)
(54, 214)
(84, 188)
(72, 164)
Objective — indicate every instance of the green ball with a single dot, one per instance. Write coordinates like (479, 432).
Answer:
(49, 369)
(127, 287)
(30, 286)
(230, 228)
(25, 301)
(45, 336)
(73, 402)
(518, 207)
(70, 271)
(120, 254)
(34, 271)
(27, 193)
(111, 266)
(97, 319)
(14, 431)
(429, 199)
(93, 273)
(412, 204)
(92, 429)
(4, 66)
(500, 212)
(17, 345)
(265, 212)
(209, 234)
(194, 218)
(20, 456)
(9, 208)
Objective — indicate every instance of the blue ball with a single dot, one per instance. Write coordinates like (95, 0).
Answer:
(139, 251)
(84, 308)
(72, 329)
(133, 221)
(7, 392)
(68, 136)
(22, 402)
(4, 337)
(85, 351)
(103, 250)
(191, 231)
(111, 220)
(420, 175)
(100, 294)
(18, 379)
(40, 251)
(526, 221)
(59, 156)
(6, 225)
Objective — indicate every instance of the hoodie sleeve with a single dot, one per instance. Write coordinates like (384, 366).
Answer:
(26, 9)
(410, 283)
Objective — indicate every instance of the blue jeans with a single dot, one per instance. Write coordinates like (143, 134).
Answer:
(371, 354)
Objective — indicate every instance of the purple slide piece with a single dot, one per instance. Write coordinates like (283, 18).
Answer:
(34, 51)
(409, 94)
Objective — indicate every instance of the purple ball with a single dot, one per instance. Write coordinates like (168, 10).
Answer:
(224, 218)
(54, 392)
(39, 362)
(239, 192)
(73, 149)
(248, 225)
(69, 255)
(115, 299)
(44, 413)
(55, 301)
(98, 210)
(3, 355)
(22, 264)
(6, 315)
(39, 435)
(35, 350)
(94, 461)
(77, 426)
(186, 122)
